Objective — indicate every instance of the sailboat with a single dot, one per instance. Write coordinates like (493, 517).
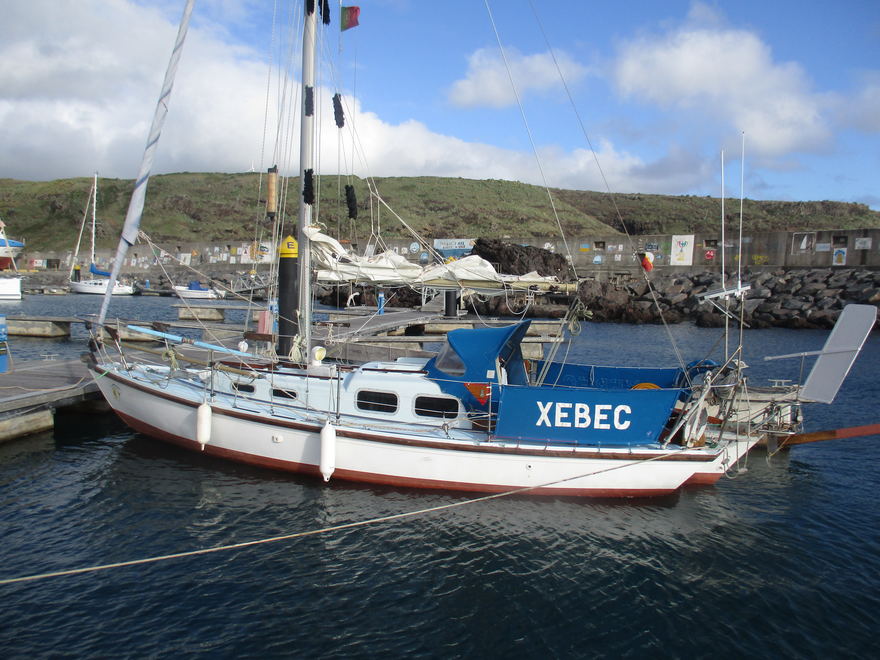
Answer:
(10, 285)
(475, 417)
(195, 290)
(9, 249)
(100, 279)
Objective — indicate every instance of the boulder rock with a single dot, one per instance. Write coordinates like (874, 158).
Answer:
(513, 259)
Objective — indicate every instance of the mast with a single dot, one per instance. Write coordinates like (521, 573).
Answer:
(302, 314)
(724, 267)
(742, 194)
(94, 203)
(82, 228)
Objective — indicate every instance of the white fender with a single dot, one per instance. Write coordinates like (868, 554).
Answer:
(328, 450)
(203, 425)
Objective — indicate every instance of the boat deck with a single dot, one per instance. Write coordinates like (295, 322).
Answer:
(31, 391)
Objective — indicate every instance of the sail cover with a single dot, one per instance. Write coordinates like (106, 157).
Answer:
(94, 270)
(335, 264)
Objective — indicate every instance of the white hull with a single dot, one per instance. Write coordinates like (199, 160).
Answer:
(281, 437)
(9, 251)
(99, 287)
(197, 294)
(10, 288)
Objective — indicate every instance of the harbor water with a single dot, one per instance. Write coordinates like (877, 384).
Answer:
(781, 559)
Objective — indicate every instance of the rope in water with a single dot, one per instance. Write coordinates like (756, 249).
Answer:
(312, 532)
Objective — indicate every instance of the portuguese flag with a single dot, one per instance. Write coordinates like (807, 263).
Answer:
(349, 17)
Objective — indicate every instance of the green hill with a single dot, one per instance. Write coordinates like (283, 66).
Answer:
(193, 207)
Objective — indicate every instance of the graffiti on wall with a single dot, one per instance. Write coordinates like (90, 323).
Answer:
(682, 253)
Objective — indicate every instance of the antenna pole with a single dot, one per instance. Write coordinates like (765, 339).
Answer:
(742, 188)
(724, 267)
(742, 179)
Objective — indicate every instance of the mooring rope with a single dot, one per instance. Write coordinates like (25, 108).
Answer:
(315, 532)
(60, 388)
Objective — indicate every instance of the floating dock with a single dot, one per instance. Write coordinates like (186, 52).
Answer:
(31, 391)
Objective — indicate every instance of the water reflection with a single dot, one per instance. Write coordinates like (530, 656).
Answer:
(784, 545)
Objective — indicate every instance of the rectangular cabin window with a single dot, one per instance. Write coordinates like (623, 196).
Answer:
(378, 401)
(435, 406)
(241, 387)
(283, 394)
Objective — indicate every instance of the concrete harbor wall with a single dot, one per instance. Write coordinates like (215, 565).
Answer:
(798, 279)
(600, 255)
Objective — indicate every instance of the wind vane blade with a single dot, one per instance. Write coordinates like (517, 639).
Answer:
(136, 204)
(839, 353)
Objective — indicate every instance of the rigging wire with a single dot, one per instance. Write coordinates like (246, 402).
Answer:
(531, 137)
(606, 184)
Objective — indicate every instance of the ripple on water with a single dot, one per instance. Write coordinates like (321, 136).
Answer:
(781, 561)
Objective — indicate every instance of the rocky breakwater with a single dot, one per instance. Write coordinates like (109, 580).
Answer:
(809, 298)
(513, 259)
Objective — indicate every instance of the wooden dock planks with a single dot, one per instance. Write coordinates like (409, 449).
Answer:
(31, 391)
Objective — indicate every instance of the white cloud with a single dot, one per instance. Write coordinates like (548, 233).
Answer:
(411, 149)
(73, 85)
(487, 82)
(861, 110)
(86, 105)
(709, 70)
(79, 81)
(622, 172)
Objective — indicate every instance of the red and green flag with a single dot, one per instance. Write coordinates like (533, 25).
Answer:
(349, 18)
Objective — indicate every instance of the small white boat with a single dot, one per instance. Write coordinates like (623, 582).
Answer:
(99, 287)
(195, 291)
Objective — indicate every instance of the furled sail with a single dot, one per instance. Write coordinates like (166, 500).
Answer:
(334, 264)
(136, 204)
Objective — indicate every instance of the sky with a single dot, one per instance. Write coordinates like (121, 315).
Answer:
(635, 97)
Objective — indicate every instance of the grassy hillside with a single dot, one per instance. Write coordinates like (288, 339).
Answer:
(190, 207)
(665, 214)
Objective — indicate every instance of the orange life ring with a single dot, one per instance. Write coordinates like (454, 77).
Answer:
(645, 386)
